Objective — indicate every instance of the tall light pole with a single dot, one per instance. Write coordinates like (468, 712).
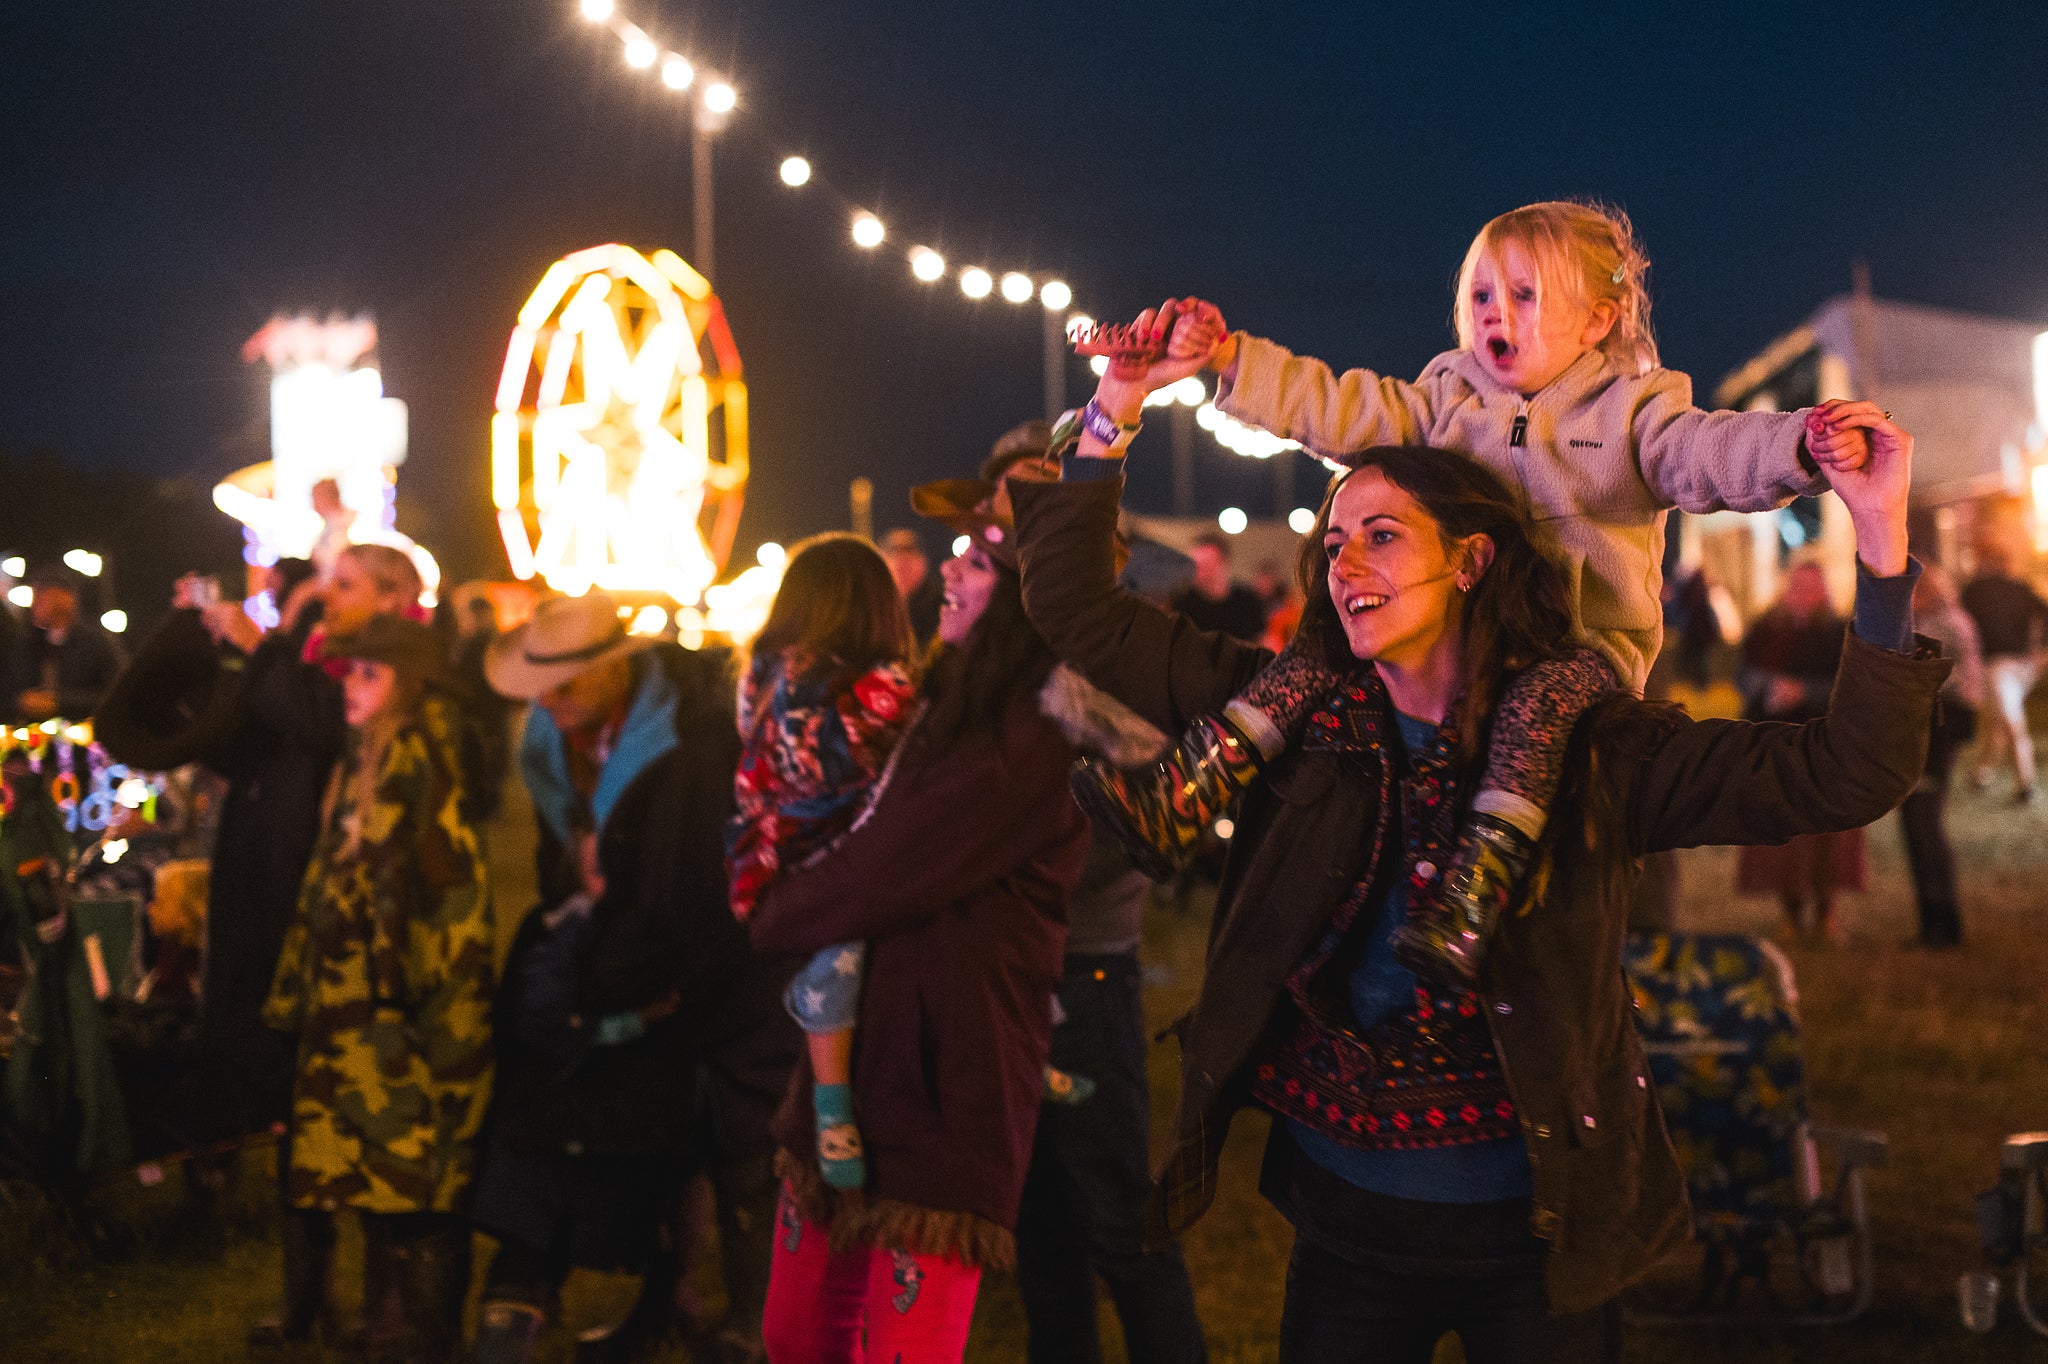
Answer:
(711, 109)
(1054, 296)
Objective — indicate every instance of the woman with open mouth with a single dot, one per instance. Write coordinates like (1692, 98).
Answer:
(1485, 1159)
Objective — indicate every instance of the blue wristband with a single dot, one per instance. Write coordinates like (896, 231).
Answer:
(1106, 428)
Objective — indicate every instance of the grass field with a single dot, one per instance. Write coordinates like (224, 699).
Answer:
(1945, 1052)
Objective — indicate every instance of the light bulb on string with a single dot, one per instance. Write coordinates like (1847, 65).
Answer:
(1301, 520)
(1078, 322)
(1232, 520)
(795, 171)
(1017, 287)
(640, 50)
(719, 97)
(1055, 295)
(927, 264)
(677, 73)
(975, 282)
(597, 11)
(867, 231)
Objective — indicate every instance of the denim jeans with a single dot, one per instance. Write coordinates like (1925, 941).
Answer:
(1084, 1199)
(1379, 1280)
(1341, 1311)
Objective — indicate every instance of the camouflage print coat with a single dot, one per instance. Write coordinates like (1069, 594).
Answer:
(386, 978)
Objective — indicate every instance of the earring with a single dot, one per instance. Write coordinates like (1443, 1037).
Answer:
(1464, 585)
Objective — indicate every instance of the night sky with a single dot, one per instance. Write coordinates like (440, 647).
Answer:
(173, 175)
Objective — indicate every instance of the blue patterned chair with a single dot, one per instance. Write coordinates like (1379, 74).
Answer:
(1719, 1018)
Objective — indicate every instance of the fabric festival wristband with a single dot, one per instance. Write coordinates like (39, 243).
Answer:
(1106, 428)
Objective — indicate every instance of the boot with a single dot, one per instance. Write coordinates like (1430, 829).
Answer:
(1158, 812)
(644, 1328)
(747, 1191)
(433, 1280)
(308, 1243)
(1446, 935)
(506, 1332)
(381, 1328)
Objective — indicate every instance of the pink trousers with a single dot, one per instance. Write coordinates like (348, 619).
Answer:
(866, 1306)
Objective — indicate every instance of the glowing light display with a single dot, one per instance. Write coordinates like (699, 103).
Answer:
(619, 445)
(329, 421)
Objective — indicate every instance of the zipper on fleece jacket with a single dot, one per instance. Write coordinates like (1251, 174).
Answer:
(1518, 434)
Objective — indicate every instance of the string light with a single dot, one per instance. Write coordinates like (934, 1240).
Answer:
(926, 264)
(1232, 520)
(114, 622)
(1301, 520)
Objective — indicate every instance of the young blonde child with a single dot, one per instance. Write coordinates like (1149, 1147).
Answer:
(1555, 385)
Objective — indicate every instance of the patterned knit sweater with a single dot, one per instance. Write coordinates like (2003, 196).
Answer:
(814, 738)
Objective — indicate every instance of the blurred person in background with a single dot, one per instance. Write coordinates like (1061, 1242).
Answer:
(490, 715)
(2012, 625)
(384, 984)
(920, 586)
(276, 747)
(62, 665)
(1923, 819)
(640, 1037)
(1788, 668)
(1214, 601)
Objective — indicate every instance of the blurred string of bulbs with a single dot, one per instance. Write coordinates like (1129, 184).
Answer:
(927, 266)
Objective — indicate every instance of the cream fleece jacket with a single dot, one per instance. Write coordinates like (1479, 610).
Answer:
(1602, 457)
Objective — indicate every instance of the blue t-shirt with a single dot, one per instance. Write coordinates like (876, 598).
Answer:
(1381, 988)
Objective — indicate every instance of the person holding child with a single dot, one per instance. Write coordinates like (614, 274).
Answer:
(1555, 385)
(1487, 1157)
(954, 875)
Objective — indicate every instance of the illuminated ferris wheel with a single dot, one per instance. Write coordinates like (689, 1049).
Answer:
(619, 444)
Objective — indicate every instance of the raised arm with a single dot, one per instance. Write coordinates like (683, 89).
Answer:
(1701, 461)
(1724, 781)
(1300, 398)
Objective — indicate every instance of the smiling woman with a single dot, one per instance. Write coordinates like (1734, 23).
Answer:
(1484, 1158)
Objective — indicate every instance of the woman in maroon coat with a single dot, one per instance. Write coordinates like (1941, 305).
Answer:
(957, 879)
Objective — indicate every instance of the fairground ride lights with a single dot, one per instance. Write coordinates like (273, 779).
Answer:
(606, 469)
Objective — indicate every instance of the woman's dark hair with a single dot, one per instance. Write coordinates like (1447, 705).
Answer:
(838, 602)
(1517, 613)
(970, 687)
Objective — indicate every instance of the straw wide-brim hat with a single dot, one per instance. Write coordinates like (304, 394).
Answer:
(564, 636)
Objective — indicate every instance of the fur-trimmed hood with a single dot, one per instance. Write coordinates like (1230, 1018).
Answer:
(1096, 722)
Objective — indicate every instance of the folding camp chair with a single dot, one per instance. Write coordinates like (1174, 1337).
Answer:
(2012, 1222)
(1719, 1018)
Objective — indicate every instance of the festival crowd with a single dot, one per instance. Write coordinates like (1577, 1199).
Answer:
(837, 942)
